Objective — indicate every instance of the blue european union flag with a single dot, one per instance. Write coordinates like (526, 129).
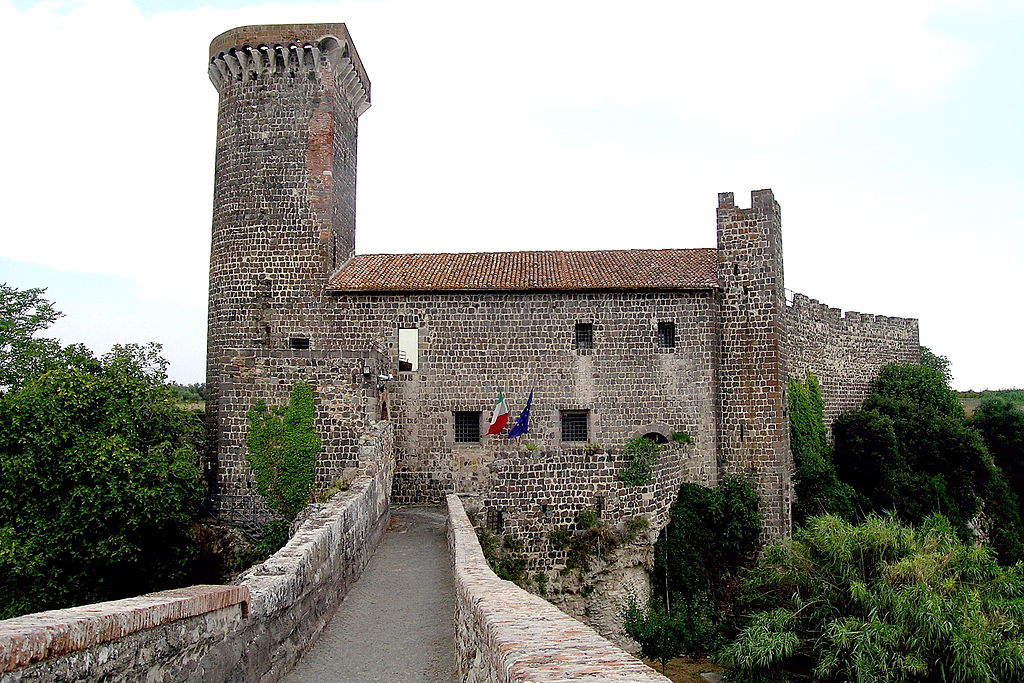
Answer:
(522, 424)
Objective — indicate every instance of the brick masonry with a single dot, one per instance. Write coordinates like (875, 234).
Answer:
(254, 631)
(503, 633)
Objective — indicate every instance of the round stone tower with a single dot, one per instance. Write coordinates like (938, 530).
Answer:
(284, 211)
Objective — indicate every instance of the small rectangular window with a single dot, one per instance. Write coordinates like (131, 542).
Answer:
(467, 426)
(584, 335)
(495, 520)
(574, 425)
(408, 349)
(667, 335)
(298, 342)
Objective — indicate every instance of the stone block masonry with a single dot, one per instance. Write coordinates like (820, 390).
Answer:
(503, 633)
(845, 351)
(253, 631)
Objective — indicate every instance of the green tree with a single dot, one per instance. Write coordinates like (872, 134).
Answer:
(99, 479)
(910, 449)
(1001, 424)
(934, 361)
(879, 601)
(817, 487)
(710, 534)
(283, 447)
(24, 313)
(660, 633)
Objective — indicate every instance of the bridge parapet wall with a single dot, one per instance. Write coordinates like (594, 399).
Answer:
(253, 631)
(503, 633)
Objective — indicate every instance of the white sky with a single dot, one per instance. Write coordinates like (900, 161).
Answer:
(888, 130)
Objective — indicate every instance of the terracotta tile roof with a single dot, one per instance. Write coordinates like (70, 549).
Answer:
(628, 269)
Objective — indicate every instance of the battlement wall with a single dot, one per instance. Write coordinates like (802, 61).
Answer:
(253, 631)
(845, 351)
(503, 633)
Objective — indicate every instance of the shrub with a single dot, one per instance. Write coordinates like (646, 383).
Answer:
(99, 480)
(643, 454)
(880, 601)
(503, 555)
(283, 447)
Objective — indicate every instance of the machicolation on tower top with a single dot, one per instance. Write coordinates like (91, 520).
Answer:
(445, 330)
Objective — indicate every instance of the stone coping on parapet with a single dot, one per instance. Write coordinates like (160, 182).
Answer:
(44, 635)
(520, 636)
(802, 303)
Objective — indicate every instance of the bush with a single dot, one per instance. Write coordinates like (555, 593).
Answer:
(283, 447)
(99, 479)
(880, 601)
(643, 454)
(711, 533)
(1001, 424)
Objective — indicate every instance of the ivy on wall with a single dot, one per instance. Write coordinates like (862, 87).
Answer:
(283, 449)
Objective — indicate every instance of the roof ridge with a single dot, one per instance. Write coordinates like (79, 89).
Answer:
(536, 251)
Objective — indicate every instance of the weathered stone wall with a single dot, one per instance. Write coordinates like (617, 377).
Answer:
(845, 351)
(254, 631)
(538, 493)
(754, 420)
(283, 212)
(503, 633)
(472, 344)
(347, 405)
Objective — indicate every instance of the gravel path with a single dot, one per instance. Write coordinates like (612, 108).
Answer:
(396, 622)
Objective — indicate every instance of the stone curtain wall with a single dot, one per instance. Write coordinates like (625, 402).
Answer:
(254, 631)
(845, 351)
(503, 633)
(754, 419)
(472, 344)
(283, 209)
(537, 493)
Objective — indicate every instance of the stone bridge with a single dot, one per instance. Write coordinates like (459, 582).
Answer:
(425, 607)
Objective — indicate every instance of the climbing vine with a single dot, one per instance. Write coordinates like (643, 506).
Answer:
(283, 448)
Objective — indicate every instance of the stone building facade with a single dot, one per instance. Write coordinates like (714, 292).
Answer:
(613, 344)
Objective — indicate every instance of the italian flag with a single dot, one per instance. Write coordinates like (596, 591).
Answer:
(499, 418)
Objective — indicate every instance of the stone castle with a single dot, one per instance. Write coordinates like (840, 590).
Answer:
(614, 344)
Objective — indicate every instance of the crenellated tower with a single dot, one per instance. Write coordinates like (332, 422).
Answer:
(284, 207)
(753, 434)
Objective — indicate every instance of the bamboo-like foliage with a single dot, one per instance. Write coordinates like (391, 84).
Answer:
(879, 601)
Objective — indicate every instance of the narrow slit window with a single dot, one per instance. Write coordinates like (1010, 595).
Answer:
(467, 426)
(495, 520)
(584, 335)
(575, 425)
(667, 335)
(299, 343)
(408, 349)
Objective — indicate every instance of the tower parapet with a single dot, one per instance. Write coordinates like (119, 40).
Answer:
(249, 53)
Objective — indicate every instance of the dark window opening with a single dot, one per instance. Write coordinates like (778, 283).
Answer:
(467, 426)
(584, 335)
(667, 335)
(299, 343)
(599, 505)
(656, 437)
(495, 520)
(544, 509)
(574, 425)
